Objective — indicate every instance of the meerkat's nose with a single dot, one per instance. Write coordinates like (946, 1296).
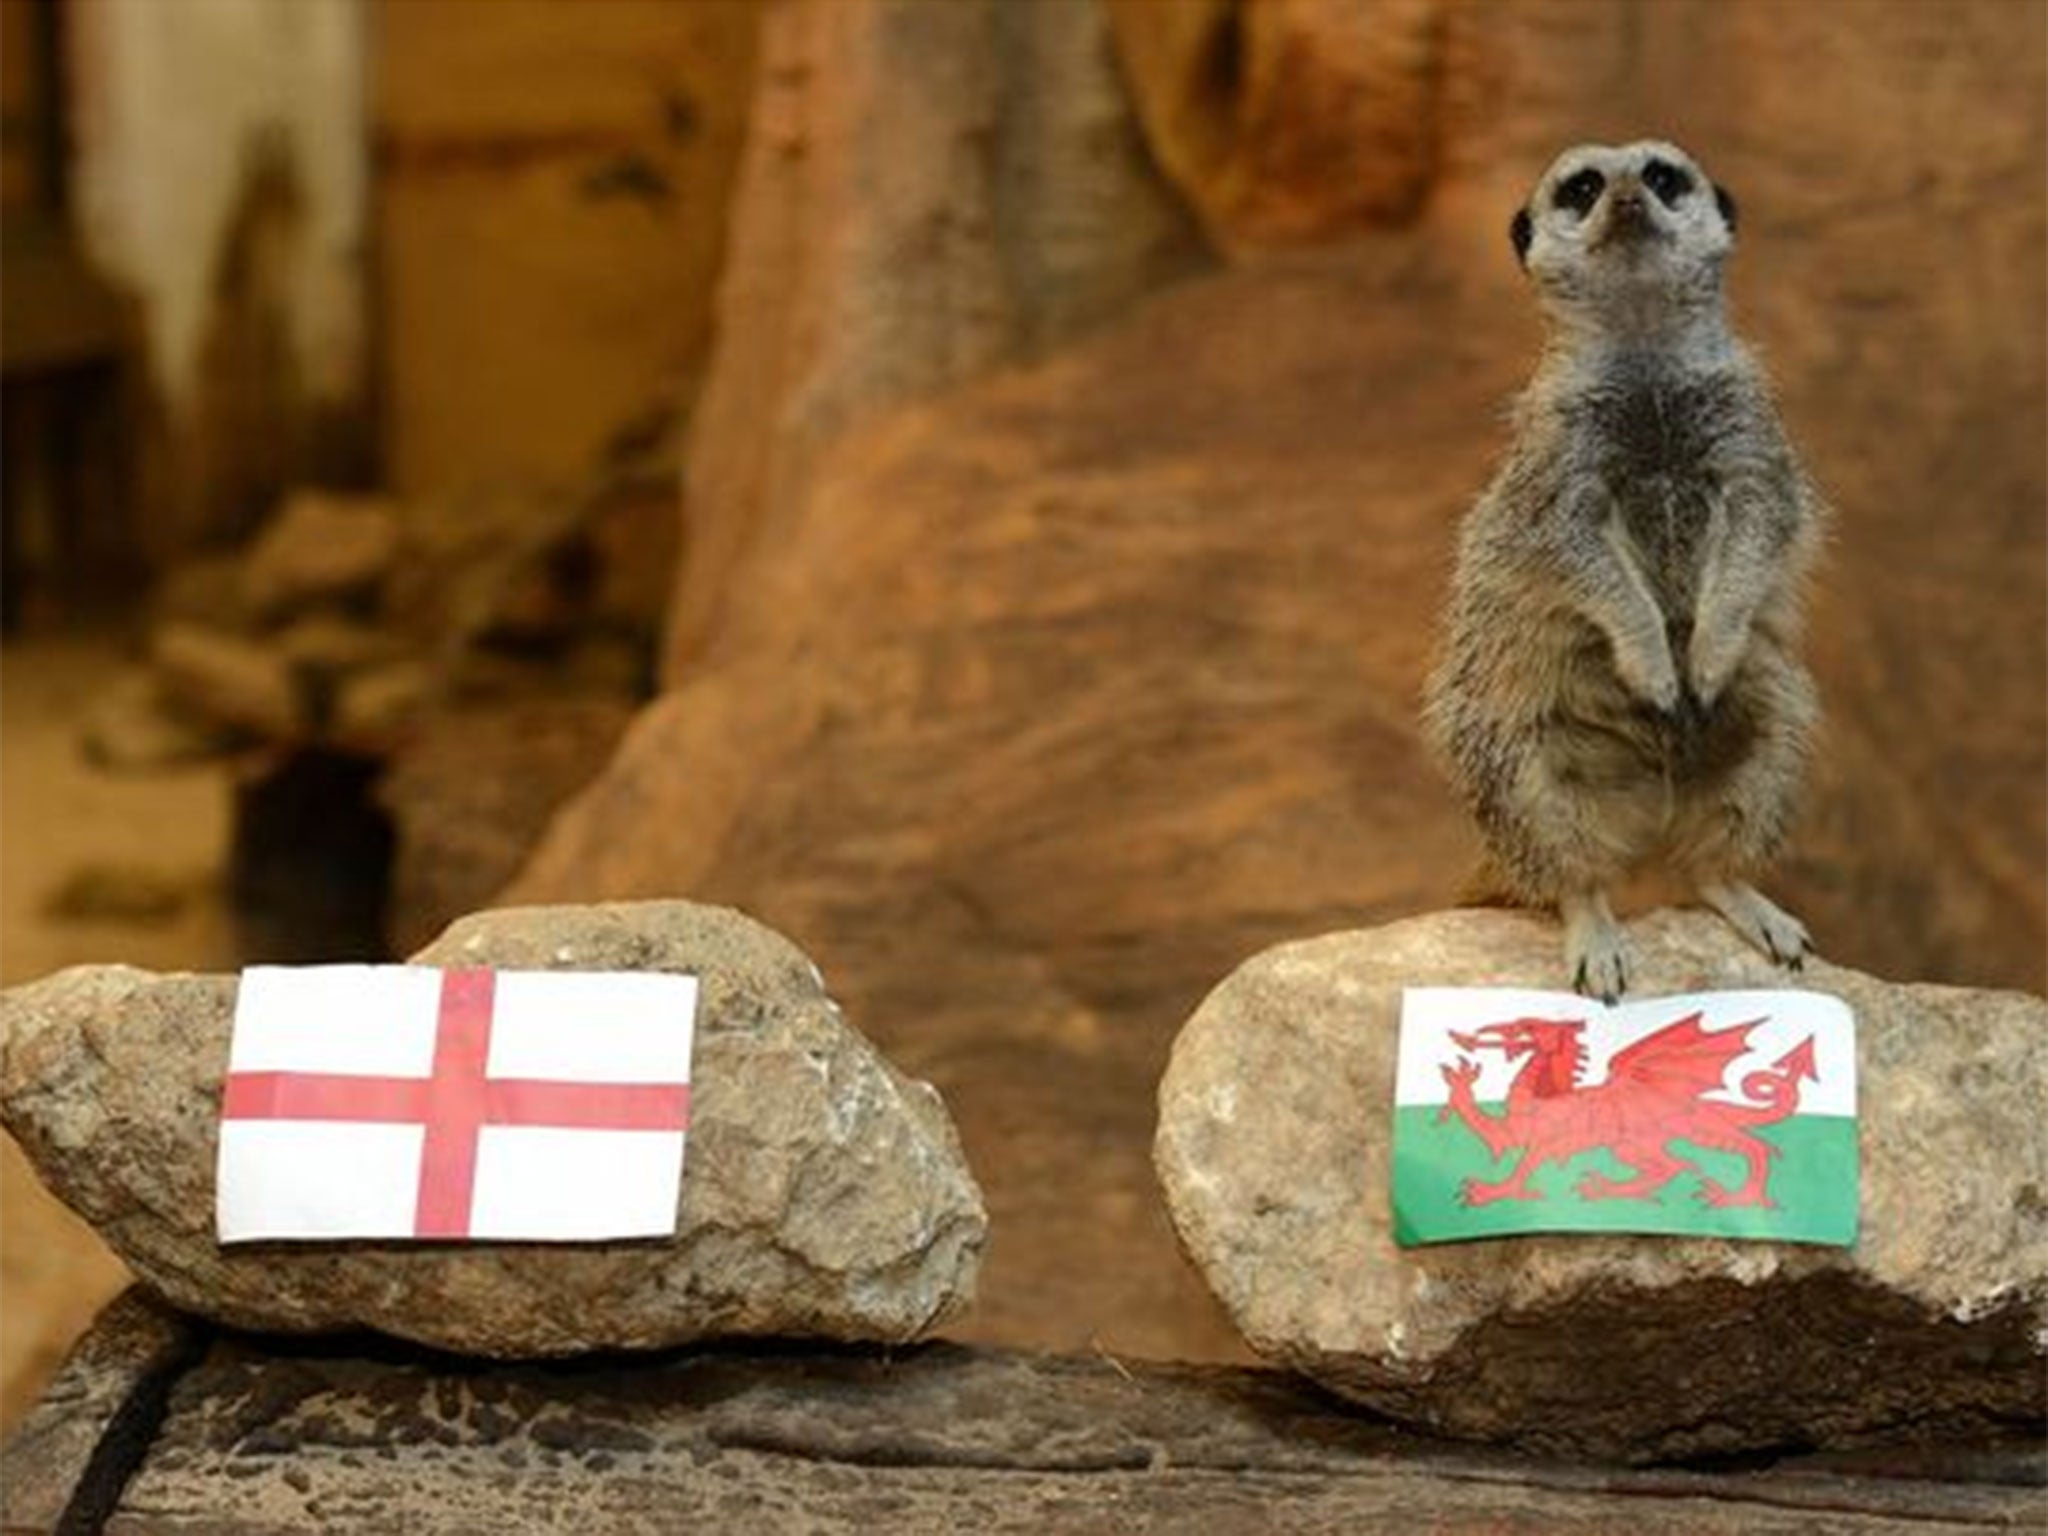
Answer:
(1628, 211)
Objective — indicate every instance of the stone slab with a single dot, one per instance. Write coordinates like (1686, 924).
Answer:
(261, 1436)
(63, 1465)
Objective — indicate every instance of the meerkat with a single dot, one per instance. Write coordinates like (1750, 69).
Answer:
(1618, 685)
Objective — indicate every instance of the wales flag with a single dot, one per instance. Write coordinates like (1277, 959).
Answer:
(1717, 1114)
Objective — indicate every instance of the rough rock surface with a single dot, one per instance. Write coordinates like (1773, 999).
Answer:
(1290, 121)
(259, 1437)
(1273, 1148)
(120, 1370)
(824, 1194)
(928, 192)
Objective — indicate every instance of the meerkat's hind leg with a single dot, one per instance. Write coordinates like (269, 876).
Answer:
(1760, 920)
(1485, 885)
(1595, 949)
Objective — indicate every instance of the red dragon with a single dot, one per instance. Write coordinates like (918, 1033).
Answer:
(1653, 1096)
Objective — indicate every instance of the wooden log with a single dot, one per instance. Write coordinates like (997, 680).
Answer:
(278, 1437)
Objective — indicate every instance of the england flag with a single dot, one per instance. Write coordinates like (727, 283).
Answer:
(407, 1102)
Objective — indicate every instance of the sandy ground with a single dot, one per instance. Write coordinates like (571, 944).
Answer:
(136, 842)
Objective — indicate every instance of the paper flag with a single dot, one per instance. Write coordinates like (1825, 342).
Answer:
(404, 1102)
(1729, 1114)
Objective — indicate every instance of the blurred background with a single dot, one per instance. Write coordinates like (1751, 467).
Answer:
(968, 481)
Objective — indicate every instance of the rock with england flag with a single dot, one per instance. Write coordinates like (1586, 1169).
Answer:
(480, 1151)
(1733, 1212)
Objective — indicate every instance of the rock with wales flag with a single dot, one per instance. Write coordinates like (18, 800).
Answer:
(1720, 1114)
(1838, 1178)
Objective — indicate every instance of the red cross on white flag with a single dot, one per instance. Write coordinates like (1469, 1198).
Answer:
(404, 1102)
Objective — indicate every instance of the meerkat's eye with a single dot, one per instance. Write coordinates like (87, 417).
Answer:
(1668, 181)
(1579, 191)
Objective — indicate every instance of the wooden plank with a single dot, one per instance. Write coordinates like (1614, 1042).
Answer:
(278, 1438)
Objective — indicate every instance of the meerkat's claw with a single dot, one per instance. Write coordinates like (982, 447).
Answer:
(1603, 975)
(1761, 921)
(1595, 949)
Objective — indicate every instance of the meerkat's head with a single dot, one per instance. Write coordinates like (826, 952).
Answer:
(1616, 235)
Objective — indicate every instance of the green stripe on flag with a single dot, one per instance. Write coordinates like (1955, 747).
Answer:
(1812, 1182)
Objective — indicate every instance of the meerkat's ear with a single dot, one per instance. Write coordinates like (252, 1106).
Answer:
(1521, 230)
(1726, 204)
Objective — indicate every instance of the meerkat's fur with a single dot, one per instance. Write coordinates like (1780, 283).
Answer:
(1619, 684)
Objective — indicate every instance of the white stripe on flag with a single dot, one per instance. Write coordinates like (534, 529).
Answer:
(352, 1020)
(536, 1182)
(308, 1178)
(1429, 1014)
(593, 1027)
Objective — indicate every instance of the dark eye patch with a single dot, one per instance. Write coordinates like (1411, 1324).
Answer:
(1669, 182)
(1727, 206)
(1579, 191)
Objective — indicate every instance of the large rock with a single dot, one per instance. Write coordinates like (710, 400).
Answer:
(1044, 699)
(824, 1194)
(1274, 1120)
(1103, 736)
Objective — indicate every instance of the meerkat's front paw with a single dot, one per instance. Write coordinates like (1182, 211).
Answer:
(1600, 966)
(1760, 920)
(1596, 952)
(1712, 663)
(1650, 675)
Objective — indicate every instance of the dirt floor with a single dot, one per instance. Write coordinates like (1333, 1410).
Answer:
(92, 868)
